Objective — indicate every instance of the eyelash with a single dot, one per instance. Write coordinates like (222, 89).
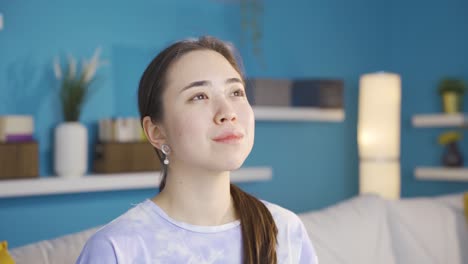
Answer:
(241, 92)
(196, 97)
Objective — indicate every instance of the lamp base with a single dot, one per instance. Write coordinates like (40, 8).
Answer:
(380, 177)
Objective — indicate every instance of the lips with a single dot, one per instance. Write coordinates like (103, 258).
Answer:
(228, 137)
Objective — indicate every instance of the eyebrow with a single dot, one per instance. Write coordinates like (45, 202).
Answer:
(207, 83)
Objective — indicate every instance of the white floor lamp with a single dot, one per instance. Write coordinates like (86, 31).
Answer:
(379, 134)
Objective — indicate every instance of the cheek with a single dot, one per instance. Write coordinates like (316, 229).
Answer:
(184, 128)
(247, 119)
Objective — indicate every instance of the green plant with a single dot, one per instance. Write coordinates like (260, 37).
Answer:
(452, 85)
(449, 137)
(74, 87)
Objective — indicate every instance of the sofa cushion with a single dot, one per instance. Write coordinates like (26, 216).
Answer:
(65, 249)
(352, 231)
(429, 230)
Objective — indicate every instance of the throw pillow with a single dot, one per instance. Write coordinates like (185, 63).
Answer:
(5, 257)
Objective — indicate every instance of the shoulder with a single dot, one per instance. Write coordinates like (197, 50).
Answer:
(290, 227)
(135, 219)
(294, 245)
(106, 244)
(97, 249)
(283, 217)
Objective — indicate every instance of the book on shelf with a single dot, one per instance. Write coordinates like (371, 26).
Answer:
(16, 128)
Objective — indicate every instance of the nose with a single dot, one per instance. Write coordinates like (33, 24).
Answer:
(225, 113)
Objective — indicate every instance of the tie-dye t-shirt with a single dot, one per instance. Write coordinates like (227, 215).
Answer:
(146, 234)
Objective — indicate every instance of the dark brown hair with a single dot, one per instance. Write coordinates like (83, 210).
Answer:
(259, 230)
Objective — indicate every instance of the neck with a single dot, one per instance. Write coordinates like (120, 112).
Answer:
(197, 197)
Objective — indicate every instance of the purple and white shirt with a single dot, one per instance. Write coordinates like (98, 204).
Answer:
(146, 234)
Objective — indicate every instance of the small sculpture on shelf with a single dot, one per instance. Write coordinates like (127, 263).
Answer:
(452, 156)
(451, 91)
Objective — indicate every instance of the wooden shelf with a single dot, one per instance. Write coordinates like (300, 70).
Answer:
(440, 120)
(266, 113)
(108, 182)
(441, 173)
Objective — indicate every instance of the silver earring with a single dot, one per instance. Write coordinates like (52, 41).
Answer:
(166, 150)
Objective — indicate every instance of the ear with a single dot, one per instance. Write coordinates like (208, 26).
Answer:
(154, 133)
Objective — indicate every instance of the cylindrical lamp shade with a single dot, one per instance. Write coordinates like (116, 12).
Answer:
(379, 134)
(382, 178)
(379, 116)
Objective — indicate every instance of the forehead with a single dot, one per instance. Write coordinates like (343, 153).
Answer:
(200, 65)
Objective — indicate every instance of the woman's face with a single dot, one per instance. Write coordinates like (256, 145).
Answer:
(208, 122)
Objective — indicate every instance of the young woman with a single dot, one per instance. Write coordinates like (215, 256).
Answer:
(195, 113)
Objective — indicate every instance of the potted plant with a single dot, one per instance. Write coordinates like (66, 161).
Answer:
(452, 156)
(452, 90)
(71, 136)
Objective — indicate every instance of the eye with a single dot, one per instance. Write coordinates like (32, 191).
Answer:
(198, 97)
(239, 93)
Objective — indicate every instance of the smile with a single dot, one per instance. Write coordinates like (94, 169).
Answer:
(229, 138)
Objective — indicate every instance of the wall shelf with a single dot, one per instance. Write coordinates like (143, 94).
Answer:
(440, 120)
(267, 113)
(434, 121)
(441, 174)
(108, 182)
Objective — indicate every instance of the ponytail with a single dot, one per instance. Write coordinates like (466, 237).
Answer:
(259, 230)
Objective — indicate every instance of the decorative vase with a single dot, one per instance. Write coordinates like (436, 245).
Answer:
(452, 156)
(71, 149)
(451, 102)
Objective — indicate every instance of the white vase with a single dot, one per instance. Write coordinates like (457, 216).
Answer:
(71, 149)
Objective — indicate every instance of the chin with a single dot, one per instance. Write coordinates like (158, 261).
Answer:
(226, 165)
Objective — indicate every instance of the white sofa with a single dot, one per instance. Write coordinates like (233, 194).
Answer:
(369, 229)
(366, 230)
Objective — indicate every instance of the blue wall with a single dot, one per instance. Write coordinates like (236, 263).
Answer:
(315, 164)
(426, 43)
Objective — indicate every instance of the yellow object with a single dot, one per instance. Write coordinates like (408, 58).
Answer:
(451, 102)
(449, 137)
(5, 257)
